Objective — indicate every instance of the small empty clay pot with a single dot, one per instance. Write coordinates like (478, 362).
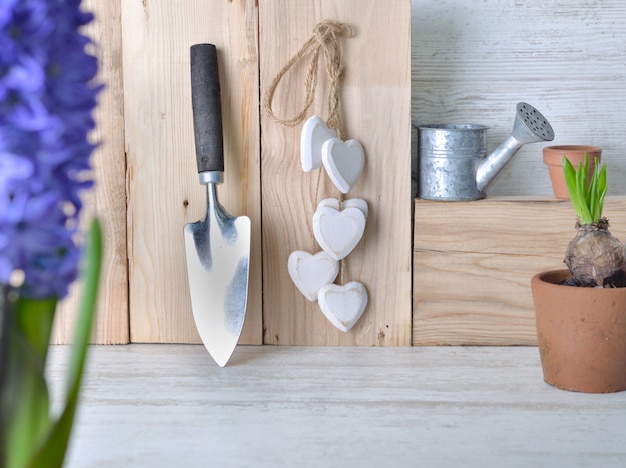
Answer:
(553, 157)
(581, 334)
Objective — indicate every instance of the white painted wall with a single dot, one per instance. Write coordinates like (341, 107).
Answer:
(474, 60)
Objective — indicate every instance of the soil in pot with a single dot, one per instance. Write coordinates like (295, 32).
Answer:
(581, 333)
(553, 158)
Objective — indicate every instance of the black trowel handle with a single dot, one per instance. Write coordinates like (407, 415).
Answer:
(207, 108)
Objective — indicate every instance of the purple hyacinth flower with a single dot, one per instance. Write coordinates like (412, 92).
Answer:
(47, 97)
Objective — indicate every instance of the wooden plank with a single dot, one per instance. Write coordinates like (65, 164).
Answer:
(108, 199)
(473, 262)
(376, 110)
(163, 188)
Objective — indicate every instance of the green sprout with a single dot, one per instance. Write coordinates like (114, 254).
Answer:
(587, 197)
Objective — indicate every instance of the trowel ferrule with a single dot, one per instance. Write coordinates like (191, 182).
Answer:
(211, 177)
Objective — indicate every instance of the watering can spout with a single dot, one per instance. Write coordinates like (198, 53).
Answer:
(489, 167)
(530, 126)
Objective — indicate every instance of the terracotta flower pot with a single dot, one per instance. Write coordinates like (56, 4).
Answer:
(553, 158)
(581, 333)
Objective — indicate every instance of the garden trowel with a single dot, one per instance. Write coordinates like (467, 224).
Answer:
(217, 248)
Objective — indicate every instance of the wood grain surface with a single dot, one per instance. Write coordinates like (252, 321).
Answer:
(164, 192)
(473, 262)
(320, 407)
(108, 199)
(375, 108)
(469, 62)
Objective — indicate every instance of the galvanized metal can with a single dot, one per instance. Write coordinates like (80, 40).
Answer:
(448, 159)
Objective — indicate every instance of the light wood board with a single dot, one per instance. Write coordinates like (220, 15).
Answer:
(108, 199)
(473, 262)
(164, 192)
(375, 107)
(325, 407)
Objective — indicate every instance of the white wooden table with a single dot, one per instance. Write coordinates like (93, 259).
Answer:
(171, 406)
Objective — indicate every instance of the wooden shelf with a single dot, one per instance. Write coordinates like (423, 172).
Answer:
(473, 262)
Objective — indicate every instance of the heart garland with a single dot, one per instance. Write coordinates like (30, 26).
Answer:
(338, 227)
(338, 224)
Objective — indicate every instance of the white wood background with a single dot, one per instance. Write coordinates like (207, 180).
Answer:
(473, 61)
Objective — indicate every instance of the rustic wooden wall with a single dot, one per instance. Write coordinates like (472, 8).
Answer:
(164, 192)
(470, 62)
(376, 111)
(161, 187)
(108, 199)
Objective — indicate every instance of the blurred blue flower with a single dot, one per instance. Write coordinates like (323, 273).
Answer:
(47, 97)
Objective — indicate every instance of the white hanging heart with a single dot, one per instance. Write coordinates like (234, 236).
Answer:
(314, 134)
(352, 202)
(310, 272)
(338, 232)
(343, 162)
(343, 305)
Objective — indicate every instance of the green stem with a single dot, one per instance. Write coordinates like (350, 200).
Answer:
(25, 401)
(52, 453)
(28, 435)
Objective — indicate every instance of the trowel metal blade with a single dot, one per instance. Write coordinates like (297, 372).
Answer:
(218, 253)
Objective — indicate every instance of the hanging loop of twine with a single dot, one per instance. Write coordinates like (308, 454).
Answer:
(325, 39)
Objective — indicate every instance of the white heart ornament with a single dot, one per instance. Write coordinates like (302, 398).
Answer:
(310, 272)
(343, 305)
(343, 162)
(351, 202)
(314, 134)
(338, 232)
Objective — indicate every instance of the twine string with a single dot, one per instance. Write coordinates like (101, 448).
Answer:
(325, 40)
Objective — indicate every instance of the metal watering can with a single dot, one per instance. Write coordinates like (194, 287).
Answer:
(453, 161)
